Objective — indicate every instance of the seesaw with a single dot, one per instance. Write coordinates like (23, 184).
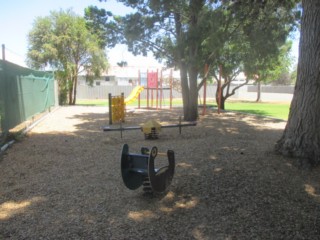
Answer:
(139, 170)
(151, 128)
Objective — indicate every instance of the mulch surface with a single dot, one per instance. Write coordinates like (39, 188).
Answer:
(63, 181)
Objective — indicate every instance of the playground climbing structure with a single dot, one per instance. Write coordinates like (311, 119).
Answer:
(153, 83)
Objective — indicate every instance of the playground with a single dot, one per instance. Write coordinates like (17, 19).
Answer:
(150, 81)
(63, 181)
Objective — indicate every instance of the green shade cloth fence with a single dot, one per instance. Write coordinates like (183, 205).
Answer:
(23, 94)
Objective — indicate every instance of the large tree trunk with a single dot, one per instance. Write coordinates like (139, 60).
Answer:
(301, 137)
(75, 89)
(189, 93)
(185, 89)
(220, 102)
(258, 91)
(193, 95)
(188, 69)
(70, 91)
(223, 103)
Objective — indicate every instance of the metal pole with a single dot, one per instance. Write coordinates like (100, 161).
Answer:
(148, 89)
(121, 128)
(123, 108)
(205, 90)
(161, 89)
(110, 108)
(171, 89)
(157, 89)
(219, 89)
(3, 52)
(139, 83)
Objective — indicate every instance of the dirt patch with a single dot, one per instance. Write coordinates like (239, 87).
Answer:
(62, 181)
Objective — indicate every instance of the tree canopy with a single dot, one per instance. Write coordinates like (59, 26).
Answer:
(190, 34)
(63, 41)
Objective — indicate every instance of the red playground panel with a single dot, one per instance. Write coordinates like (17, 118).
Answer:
(152, 79)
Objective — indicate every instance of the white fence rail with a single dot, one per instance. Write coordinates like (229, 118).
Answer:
(248, 92)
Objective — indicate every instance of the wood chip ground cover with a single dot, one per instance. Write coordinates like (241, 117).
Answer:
(62, 181)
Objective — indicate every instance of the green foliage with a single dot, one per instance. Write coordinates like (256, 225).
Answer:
(234, 34)
(249, 38)
(96, 19)
(62, 41)
(276, 68)
(122, 64)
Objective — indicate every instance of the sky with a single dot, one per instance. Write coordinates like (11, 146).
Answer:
(17, 18)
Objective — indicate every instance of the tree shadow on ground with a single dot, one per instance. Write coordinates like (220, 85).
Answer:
(228, 182)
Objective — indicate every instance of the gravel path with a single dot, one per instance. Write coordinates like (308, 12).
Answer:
(62, 181)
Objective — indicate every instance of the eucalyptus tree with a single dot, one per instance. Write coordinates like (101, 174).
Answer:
(190, 34)
(227, 65)
(248, 38)
(301, 137)
(63, 42)
(172, 30)
(96, 20)
(269, 68)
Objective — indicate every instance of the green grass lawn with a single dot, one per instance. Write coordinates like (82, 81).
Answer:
(276, 110)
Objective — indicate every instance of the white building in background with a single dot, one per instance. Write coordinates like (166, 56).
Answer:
(124, 76)
(129, 76)
(118, 76)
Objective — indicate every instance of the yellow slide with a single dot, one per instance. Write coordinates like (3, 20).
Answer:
(134, 94)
